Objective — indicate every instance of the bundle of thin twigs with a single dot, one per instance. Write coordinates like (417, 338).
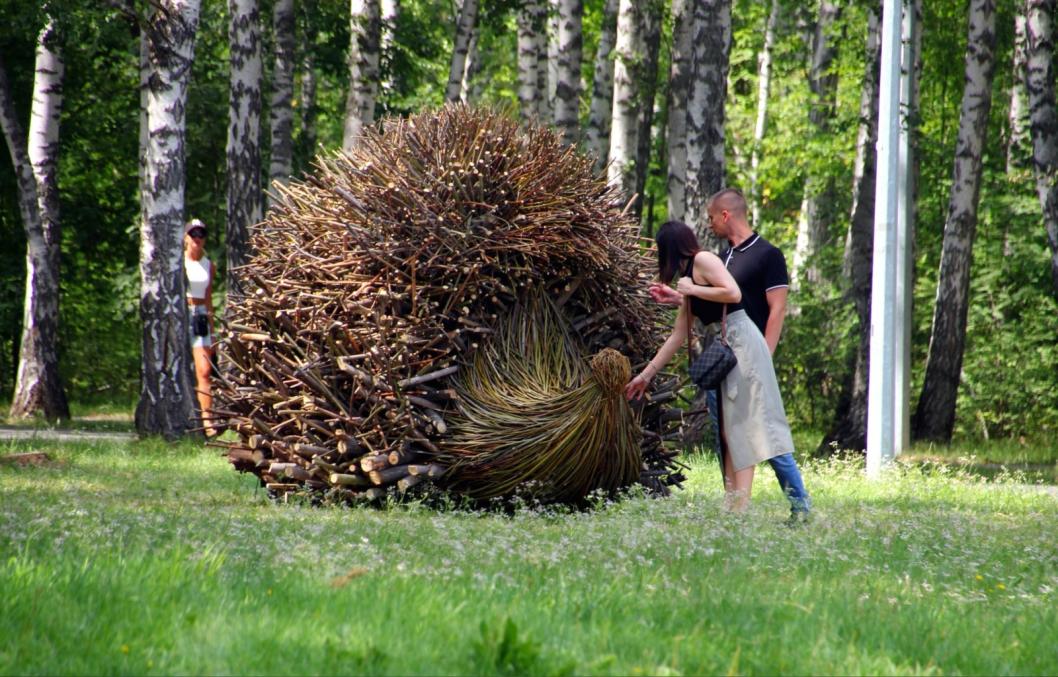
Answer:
(376, 282)
(533, 418)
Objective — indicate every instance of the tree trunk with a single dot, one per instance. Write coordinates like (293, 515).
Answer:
(679, 87)
(1040, 86)
(705, 123)
(567, 85)
(597, 134)
(461, 46)
(364, 37)
(307, 87)
(759, 126)
(849, 429)
(551, 69)
(532, 30)
(819, 191)
(629, 51)
(244, 129)
(390, 16)
(652, 15)
(1019, 143)
(38, 387)
(467, 89)
(935, 415)
(167, 399)
(281, 111)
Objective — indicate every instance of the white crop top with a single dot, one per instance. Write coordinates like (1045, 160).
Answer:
(197, 277)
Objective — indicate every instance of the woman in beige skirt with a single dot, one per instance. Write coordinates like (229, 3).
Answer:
(753, 425)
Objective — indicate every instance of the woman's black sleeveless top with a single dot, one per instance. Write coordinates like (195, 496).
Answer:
(707, 311)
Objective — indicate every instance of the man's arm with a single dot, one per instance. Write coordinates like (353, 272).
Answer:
(776, 315)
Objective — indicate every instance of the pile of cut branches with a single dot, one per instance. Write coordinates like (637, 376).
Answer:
(435, 308)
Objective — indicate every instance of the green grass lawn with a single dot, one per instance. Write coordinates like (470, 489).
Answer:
(146, 558)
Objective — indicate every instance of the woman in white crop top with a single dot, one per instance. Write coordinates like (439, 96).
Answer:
(199, 271)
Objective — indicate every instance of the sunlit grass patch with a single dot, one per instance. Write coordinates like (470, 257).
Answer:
(156, 558)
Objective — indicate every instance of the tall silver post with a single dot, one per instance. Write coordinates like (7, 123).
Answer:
(904, 235)
(881, 385)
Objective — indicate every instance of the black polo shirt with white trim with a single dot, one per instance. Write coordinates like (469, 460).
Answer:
(758, 267)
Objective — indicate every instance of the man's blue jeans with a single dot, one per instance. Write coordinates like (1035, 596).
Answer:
(785, 466)
(789, 476)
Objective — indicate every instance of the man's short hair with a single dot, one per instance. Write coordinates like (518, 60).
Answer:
(730, 199)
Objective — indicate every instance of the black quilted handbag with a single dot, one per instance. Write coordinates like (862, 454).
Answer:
(716, 361)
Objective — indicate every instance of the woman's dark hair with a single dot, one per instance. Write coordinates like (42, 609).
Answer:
(676, 243)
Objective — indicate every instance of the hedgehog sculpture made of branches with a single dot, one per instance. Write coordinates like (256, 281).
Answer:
(456, 304)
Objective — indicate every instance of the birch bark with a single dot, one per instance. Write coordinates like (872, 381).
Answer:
(166, 400)
(390, 16)
(281, 110)
(364, 28)
(651, 15)
(38, 387)
(624, 133)
(597, 134)
(531, 33)
(705, 124)
(676, 125)
(461, 46)
(567, 85)
(1019, 142)
(934, 417)
(1044, 119)
(244, 129)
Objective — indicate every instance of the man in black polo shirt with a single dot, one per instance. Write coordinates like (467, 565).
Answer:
(759, 268)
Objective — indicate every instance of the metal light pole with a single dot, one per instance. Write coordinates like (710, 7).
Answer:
(885, 397)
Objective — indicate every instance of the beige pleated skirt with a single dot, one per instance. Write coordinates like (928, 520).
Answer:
(751, 412)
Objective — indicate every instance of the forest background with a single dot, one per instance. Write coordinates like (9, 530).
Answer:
(808, 150)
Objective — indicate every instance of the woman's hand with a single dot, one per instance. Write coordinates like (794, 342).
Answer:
(685, 286)
(637, 387)
(662, 293)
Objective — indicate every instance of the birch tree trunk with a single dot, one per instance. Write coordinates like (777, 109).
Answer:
(167, 399)
(467, 88)
(244, 129)
(651, 15)
(567, 85)
(281, 111)
(1044, 127)
(597, 135)
(307, 86)
(676, 126)
(38, 387)
(849, 429)
(461, 46)
(819, 191)
(551, 71)
(1019, 143)
(364, 37)
(532, 32)
(629, 51)
(390, 16)
(935, 415)
(760, 124)
(705, 124)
